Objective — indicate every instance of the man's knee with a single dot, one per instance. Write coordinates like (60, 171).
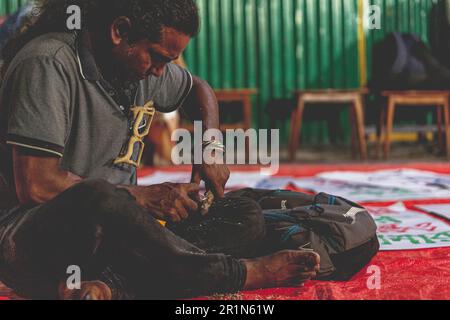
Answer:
(243, 224)
(91, 191)
(84, 200)
(97, 187)
(233, 226)
(254, 194)
(245, 211)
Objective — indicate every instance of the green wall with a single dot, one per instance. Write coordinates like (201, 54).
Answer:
(9, 6)
(278, 46)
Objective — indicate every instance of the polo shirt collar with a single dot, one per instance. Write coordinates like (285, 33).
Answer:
(86, 62)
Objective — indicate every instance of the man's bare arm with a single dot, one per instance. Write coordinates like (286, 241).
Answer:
(201, 104)
(39, 179)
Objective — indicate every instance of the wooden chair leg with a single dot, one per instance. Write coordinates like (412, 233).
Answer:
(354, 130)
(361, 132)
(247, 111)
(296, 127)
(247, 105)
(389, 127)
(447, 127)
(380, 131)
(439, 125)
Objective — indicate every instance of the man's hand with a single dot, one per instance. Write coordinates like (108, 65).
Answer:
(215, 176)
(168, 201)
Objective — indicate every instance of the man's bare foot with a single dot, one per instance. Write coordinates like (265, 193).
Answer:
(282, 269)
(95, 290)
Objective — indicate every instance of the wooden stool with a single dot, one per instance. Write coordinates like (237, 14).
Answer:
(440, 99)
(352, 97)
(242, 96)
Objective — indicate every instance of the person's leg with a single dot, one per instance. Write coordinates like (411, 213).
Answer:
(282, 233)
(224, 230)
(237, 226)
(275, 199)
(233, 226)
(95, 223)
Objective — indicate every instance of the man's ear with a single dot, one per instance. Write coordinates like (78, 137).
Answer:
(120, 30)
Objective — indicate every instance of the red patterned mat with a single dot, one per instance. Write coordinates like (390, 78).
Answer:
(6, 293)
(405, 275)
(421, 274)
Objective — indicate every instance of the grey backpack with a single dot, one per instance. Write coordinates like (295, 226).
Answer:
(343, 233)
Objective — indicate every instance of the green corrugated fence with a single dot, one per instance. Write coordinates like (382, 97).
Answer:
(9, 6)
(278, 46)
(281, 45)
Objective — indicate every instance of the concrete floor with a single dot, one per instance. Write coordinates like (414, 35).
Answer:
(400, 153)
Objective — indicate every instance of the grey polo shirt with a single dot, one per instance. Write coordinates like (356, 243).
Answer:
(54, 99)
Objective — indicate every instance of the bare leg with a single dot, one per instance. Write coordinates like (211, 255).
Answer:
(282, 269)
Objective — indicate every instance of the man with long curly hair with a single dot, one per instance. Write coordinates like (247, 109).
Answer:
(74, 108)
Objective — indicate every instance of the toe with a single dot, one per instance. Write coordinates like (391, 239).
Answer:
(313, 260)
